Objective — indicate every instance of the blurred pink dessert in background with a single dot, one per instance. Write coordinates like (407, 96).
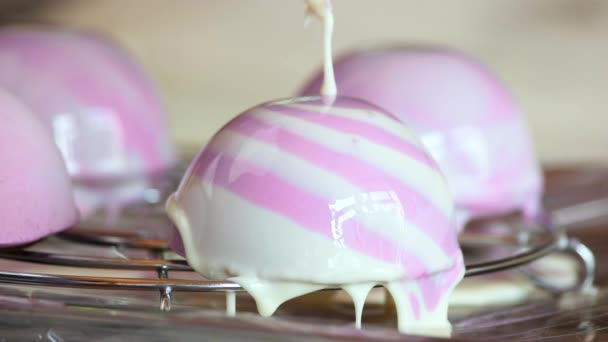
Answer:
(35, 188)
(296, 195)
(103, 111)
(464, 116)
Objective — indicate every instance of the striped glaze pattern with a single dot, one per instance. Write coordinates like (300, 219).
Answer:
(301, 190)
(463, 114)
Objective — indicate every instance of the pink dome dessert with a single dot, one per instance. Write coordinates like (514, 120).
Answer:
(35, 187)
(464, 116)
(293, 196)
(103, 111)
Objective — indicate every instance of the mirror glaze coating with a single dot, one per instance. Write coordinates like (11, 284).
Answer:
(102, 109)
(35, 188)
(300, 191)
(465, 117)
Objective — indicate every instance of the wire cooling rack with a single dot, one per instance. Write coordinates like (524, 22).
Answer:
(530, 242)
(531, 246)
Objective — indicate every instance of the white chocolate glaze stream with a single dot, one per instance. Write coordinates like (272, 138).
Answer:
(323, 10)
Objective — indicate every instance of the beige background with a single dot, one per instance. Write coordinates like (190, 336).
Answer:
(214, 58)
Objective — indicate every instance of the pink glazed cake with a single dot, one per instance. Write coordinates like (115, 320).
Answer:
(465, 117)
(102, 109)
(35, 189)
(292, 196)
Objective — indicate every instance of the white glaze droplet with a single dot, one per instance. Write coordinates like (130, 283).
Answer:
(429, 323)
(359, 292)
(230, 303)
(270, 294)
(323, 10)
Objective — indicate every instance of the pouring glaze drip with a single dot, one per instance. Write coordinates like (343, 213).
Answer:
(322, 9)
(296, 195)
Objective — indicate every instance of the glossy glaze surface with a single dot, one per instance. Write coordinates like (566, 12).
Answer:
(102, 109)
(35, 188)
(302, 191)
(465, 117)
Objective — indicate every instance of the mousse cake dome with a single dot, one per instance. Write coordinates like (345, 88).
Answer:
(35, 188)
(102, 109)
(463, 114)
(297, 195)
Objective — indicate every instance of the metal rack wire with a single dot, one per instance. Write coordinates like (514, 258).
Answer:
(536, 246)
(531, 245)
